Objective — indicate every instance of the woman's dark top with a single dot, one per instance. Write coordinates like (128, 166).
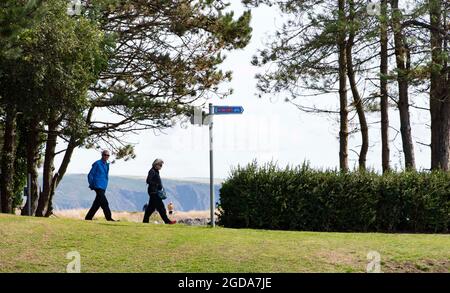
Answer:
(153, 181)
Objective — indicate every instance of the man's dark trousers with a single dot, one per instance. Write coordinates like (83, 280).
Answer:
(100, 201)
(155, 203)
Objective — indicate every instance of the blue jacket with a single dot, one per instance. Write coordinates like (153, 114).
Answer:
(98, 176)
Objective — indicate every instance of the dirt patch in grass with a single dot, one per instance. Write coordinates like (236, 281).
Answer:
(423, 266)
(339, 258)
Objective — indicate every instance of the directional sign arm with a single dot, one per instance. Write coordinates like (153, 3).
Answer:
(218, 110)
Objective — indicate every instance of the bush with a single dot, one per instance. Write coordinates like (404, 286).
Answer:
(301, 198)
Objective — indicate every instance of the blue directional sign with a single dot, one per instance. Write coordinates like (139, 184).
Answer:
(228, 110)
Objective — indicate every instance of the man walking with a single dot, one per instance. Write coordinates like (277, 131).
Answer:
(98, 181)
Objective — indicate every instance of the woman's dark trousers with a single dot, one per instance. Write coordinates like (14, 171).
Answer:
(155, 203)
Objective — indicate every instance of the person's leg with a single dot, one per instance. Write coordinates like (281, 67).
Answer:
(105, 205)
(94, 208)
(151, 207)
(162, 210)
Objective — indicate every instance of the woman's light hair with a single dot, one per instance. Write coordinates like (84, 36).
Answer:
(157, 162)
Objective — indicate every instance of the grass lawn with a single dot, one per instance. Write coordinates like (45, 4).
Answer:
(41, 245)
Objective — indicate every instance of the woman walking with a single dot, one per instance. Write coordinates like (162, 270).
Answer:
(155, 189)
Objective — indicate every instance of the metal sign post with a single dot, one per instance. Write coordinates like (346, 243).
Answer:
(211, 166)
(200, 118)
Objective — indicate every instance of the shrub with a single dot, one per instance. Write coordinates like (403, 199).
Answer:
(302, 198)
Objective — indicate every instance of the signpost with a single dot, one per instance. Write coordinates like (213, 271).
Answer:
(212, 207)
(201, 118)
(228, 110)
(29, 194)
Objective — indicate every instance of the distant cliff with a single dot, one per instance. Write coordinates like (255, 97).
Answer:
(130, 193)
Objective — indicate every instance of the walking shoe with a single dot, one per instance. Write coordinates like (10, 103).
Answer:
(172, 222)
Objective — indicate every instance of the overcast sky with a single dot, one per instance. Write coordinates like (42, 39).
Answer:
(269, 129)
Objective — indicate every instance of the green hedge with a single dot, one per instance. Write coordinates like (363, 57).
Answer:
(301, 198)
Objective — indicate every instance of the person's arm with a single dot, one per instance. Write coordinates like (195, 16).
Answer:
(91, 176)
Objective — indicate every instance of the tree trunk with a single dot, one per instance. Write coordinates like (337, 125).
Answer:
(446, 72)
(384, 102)
(49, 210)
(441, 16)
(445, 111)
(354, 87)
(73, 143)
(444, 150)
(50, 149)
(8, 158)
(401, 57)
(33, 157)
(436, 99)
(61, 172)
(343, 133)
(439, 105)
